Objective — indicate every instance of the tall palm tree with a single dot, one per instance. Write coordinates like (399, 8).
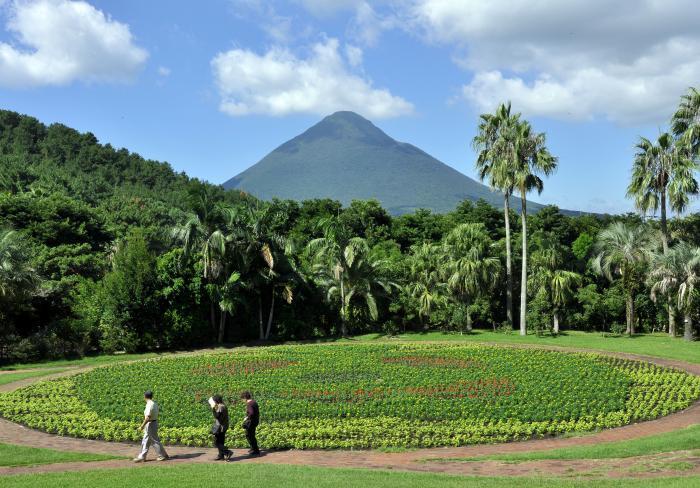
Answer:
(622, 250)
(678, 272)
(685, 123)
(558, 284)
(263, 256)
(204, 234)
(661, 172)
(425, 284)
(531, 158)
(469, 264)
(493, 163)
(345, 267)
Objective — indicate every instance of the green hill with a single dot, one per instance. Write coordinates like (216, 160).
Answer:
(346, 157)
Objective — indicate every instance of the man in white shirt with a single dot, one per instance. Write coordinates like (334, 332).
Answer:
(150, 430)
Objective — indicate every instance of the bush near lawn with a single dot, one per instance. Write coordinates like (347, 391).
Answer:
(362, 396)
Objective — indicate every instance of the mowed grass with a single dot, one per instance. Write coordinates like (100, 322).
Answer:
(7, 378)
(207, 475)
(679, 440)
(12, 455)
(657, 345)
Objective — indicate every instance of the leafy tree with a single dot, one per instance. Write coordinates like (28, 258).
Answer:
(469, 265)
(677, 272)
(622, 251)
(424, 281)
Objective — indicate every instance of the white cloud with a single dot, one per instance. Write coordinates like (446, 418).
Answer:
(164, 71)
(327, 8)
(280, 83)
(64, 41)
(628, 61)
(354, 55)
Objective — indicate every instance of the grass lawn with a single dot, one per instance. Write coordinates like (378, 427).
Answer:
(679, 440)
(659, 345)
(12, 377)
(207, 475)
(11, 455)
(93, 360)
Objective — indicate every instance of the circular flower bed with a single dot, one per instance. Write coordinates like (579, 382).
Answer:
(362, 396)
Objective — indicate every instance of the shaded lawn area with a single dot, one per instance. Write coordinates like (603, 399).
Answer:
(658, 345)
(11, 455)
(208, 475)
(679, 440)
(12, 377)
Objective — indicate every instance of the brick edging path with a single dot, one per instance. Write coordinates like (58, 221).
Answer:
(410, 460)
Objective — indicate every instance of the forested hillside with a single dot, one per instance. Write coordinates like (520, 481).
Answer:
(102, 250)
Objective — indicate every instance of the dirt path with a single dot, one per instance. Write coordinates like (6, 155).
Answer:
(431, 460)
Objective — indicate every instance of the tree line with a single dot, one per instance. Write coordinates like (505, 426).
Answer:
(102, 250)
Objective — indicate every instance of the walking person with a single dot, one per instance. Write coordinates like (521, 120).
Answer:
(220, 427)
(150, 430)
(251, 421)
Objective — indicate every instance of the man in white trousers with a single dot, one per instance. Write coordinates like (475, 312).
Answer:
(150, 430)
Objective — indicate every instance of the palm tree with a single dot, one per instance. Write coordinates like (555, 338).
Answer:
(16, 275)
(558, 284)
(686, 121)
(425, 284)
(470, 267)
(678, 272)
(662, 171)
(493, 163)
(204, 233)
(622, 250)
(263, 257)
(347, 270)
(531, 158)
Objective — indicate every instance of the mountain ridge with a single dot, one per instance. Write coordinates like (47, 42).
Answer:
(346, 157)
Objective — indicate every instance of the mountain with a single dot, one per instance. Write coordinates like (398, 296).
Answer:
(346, 157)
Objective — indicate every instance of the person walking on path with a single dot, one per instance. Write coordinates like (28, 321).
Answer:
(251, 421)
(220, 427)
(150, 430)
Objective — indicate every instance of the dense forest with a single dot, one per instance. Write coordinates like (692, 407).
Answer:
(102, 251)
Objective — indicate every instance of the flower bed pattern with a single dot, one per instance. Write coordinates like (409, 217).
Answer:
(362, 396)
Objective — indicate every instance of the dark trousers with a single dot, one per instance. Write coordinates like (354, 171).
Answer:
(220, 443)
(250, 435)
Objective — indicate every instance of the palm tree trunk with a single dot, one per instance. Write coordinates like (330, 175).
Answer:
(222, 327)
(523, 274)
(509, 270)
(630, 313)
(260, 318)
(343, 326)
(556, 322)
(664, 242)
(688, 327)
(469, 317)
(269, 318)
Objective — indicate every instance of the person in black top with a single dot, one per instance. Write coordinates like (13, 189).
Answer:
(251, 421)
(219, 428)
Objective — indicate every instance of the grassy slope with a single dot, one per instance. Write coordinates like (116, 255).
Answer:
(11, 455)
(206, 476)
(679, 440)
(658, 345)
(12, 377)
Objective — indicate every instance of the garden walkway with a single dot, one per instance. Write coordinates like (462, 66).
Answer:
(431, 460)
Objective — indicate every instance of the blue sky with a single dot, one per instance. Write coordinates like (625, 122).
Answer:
(211, 87)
